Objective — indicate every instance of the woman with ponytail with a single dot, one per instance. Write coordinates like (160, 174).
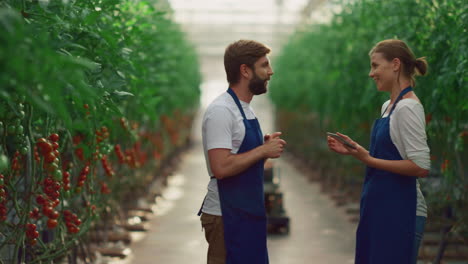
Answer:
(393, 210)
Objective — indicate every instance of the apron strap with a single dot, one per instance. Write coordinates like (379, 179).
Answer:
(247, 123)
(400, 96)
(236, 99)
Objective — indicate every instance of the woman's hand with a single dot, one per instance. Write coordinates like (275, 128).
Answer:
(337, 146)
(359, 153)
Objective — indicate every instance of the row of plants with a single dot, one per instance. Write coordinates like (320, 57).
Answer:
(323, 86)
(95, 96)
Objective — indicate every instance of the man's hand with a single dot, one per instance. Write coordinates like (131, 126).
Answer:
(225, 164)
(274, 145)
(274, 135)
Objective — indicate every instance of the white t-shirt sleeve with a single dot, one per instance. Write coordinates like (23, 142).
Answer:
(408, 132)
(218, 128)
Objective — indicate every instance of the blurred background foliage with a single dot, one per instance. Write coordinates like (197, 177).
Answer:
(323, 85)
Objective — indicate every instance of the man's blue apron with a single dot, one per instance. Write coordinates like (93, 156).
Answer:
(242, 203)
(385, 234)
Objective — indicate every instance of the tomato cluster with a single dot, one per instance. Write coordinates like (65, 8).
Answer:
(16, 163)
(48, 204)
(34, 214)
(119, 153)
(32, 234)
(131, 158)
(48, 149)
(107, 167)
(82, 178)
(51, 155)
(3, 199)
(66, 181)
(104, 188)
(102, 134)
(78, 151)
(72, 222)
(14, 126)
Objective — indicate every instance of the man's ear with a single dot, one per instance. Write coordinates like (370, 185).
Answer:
(245, 71)
(396, 64)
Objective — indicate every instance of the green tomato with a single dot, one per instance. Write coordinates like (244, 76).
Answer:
(22, 114)
(11, 129)
(24, 150)
(2, 127)
(105, 149)
(58, 175)
(19, 129)
(53, 167)
(3, 162)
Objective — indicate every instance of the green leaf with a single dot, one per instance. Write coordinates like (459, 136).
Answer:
(90, 65)
(121, 94)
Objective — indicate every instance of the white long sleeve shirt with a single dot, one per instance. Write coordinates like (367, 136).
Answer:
(408, 134)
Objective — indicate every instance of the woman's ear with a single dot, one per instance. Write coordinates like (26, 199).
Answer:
(396, 64)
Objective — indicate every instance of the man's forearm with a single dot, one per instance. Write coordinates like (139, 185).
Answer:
(233, 164)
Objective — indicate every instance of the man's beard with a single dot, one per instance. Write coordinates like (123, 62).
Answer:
(257, 85)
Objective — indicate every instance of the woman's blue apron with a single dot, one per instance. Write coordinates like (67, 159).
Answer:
(385, 234)
(242, 204)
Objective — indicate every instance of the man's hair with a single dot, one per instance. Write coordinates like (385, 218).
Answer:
(242, 52)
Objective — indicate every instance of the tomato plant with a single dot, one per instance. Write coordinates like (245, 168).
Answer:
(80, 79)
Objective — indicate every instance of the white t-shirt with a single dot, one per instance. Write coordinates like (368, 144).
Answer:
(408, 134)
(222, 127)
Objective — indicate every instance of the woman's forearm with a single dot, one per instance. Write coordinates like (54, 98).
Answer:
(403, 167)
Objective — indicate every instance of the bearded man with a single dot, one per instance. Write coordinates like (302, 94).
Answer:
(233, 212)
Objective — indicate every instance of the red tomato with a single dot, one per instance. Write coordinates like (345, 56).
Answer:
(52, 223)
(49, 157)
(54, 137)
(47, 210)
(31, 227)
(40, 200)
(54, 215)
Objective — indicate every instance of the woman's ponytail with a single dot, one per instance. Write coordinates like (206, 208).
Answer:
(420, 65)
